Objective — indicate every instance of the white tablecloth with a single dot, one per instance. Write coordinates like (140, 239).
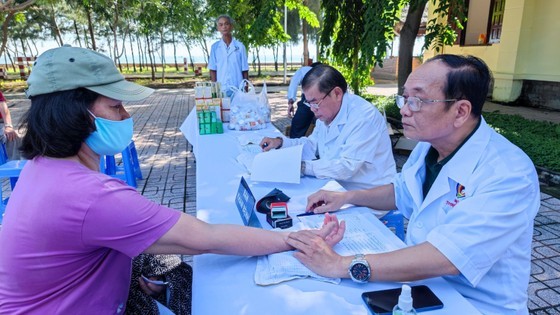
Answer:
(225, 285)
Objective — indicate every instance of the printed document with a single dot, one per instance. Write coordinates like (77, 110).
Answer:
(365, 234)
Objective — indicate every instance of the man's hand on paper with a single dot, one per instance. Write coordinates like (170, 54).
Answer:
(325, 201)
(268, 144)
(316, 253)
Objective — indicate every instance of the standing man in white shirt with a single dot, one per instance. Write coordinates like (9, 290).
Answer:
(350, 142)
(471, 196)
(303, 116)
(228, 58)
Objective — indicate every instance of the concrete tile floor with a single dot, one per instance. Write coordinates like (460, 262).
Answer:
(169, 171)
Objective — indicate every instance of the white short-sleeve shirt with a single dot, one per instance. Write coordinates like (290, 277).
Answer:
(229, 62)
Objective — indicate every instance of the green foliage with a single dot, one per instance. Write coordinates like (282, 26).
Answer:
(439, 34)
(356, 35)
(539, 140)
(386, 104)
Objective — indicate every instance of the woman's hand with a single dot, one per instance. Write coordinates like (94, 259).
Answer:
(314, 250)
(335, 235)
(150, 288)
(10, 133)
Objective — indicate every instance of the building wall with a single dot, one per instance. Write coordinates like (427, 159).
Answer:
(528, 48)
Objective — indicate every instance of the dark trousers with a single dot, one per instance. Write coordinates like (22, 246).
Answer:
(301, 120)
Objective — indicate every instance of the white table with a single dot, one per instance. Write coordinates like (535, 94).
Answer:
(225, 285)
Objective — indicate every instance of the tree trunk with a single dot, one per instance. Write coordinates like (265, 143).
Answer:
(190, 56)
(162, 56)
(174, 50)
(56, 30)
(140, 53)
(275, 54)
(204, 47)
(407, 38)
(5, 25)
(86, 39)
(132, 53)
(125, 58)
(77, 33)
(259, 73)
(305, 42)
(149, 51)
(90, 28)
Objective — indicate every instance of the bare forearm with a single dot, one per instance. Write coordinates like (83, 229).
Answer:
(240, 240)
(418, 262)
(245, 75)
(192, 236)
(381, 198)
(213, 77)
(5, 113)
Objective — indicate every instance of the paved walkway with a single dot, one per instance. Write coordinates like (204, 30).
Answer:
(169, 173)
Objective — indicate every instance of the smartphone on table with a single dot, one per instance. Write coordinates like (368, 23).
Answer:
(382, 302)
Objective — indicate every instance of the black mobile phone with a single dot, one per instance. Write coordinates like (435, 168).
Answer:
(382, 302)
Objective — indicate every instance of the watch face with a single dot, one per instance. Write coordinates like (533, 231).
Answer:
(360, 272)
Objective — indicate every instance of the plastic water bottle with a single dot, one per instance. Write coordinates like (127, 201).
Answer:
(404, 307)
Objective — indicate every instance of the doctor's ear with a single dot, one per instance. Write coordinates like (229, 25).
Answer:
(338, 92)
(463, 112)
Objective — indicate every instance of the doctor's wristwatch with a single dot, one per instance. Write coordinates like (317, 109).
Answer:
(359, 269)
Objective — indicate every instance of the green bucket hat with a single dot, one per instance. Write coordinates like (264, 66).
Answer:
(68, 68)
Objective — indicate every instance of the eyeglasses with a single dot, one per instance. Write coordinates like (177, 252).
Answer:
(415, 103)
(316, 105)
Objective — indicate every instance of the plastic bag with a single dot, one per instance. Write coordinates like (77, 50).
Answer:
(249, 110)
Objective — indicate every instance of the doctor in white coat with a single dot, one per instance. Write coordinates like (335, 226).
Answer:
(470, 196)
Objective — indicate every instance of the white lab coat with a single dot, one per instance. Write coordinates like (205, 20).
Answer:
(296, 81)
(479, 213)
(354, 149)
(228, 62)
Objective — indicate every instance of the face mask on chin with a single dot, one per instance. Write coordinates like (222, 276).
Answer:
(111, 136)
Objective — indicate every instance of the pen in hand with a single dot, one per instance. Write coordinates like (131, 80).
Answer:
(306, 214)
(315, 205)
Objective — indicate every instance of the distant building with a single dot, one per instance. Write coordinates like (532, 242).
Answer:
(519, 41)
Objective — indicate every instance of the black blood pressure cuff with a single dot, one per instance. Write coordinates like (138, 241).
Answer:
(276, 195)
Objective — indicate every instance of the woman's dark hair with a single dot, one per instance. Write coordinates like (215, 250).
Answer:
(469, 78)
(57, 123)
(326, 78)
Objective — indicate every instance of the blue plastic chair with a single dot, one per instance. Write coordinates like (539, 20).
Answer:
(8, 169)
(128, 170)
(394, 220)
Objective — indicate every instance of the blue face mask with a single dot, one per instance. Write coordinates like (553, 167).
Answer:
(111, 136)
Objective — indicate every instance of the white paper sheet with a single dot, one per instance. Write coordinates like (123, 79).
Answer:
(273, 269)
(251, 148)
(280, 166)
(250, 138)
(362, 236)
